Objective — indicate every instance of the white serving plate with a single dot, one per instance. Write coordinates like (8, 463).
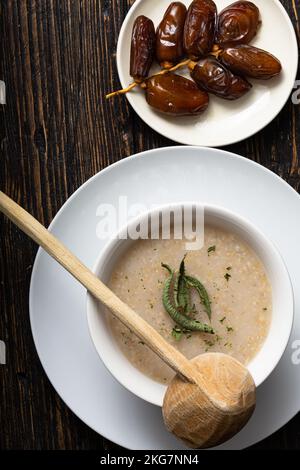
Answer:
(224, 122)
(58, 303)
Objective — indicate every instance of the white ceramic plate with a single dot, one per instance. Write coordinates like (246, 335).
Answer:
(225, 122)
(58, 303)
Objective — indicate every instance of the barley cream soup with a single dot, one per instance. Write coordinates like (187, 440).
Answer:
(237, 286)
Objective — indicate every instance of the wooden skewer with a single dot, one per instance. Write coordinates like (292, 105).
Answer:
(143, 84)
(210, 399)
(216, 50)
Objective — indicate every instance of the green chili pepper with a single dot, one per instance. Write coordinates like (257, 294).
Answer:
(176, 289)
(179, 318)
(180, 292)
(193, 282)
(183, 299)
(167, 267)
(183, 295)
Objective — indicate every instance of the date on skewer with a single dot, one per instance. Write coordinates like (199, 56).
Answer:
(214, 47)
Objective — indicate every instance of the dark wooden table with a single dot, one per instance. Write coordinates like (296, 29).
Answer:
(57, 130)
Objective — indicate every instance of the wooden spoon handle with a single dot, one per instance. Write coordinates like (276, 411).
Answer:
(74, 266)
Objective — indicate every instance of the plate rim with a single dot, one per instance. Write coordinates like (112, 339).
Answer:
(247, 135)
(66, 204)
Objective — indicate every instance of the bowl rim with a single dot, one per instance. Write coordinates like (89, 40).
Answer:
(231, 216)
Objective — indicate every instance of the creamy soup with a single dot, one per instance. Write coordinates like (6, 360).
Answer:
(237, 285)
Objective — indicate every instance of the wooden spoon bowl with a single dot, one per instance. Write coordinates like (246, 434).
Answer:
(211, 411)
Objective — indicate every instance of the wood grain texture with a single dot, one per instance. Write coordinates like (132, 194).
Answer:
(211, 411)
(56, 131)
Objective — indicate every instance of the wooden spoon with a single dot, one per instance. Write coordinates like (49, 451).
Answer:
(211, 397)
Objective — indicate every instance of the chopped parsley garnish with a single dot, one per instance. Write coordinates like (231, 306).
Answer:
(211, 249)
(229, 329)
(227, 276)
(222, 320)
(177, 334)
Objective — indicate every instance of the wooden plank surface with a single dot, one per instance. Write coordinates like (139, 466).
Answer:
(56, 131)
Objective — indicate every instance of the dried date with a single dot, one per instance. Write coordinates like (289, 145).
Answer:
(213, 77)
(199, 30)
(142, 48)
(251, 62)
(169, 35)
(237, 24)
(175, 95)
